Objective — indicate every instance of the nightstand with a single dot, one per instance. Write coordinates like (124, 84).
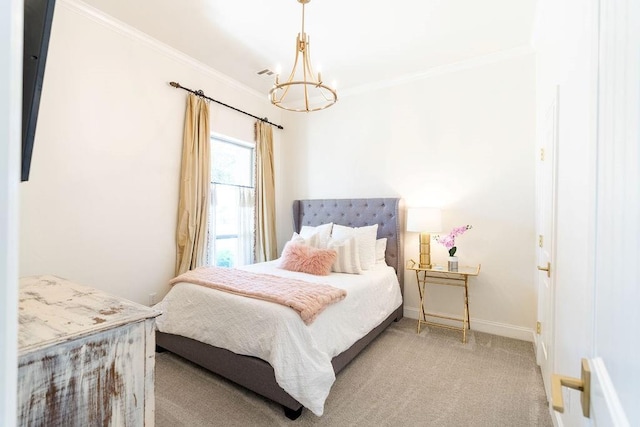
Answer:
(441, 276)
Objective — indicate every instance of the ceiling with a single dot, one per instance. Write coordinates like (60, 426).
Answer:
(356, 43)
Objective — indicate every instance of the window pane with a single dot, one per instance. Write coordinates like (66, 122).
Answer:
(231, 163)
(226, 252)
(230, 240)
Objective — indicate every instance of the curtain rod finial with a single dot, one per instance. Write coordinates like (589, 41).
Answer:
(175, 84)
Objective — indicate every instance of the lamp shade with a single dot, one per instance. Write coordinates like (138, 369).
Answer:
(424, 220)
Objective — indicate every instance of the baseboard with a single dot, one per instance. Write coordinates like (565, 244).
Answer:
(556, 419)
(607, 410)
(486, 326)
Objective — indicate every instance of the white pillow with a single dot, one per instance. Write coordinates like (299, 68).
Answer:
(366, 239)
(323, 231)
(348, 259)
(381, 250)
(312, 240)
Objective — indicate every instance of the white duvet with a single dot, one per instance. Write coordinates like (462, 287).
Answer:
(300, 354)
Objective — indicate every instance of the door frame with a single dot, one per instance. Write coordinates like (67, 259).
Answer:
(11, 35)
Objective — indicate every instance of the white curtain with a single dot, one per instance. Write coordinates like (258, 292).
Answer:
(211, 229)
(246, 207)
(241, 201)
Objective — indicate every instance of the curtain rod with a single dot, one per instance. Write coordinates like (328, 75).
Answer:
(200, 93)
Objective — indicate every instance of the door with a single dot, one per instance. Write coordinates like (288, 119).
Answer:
(615, 362)
(545, 207)
(594, 56)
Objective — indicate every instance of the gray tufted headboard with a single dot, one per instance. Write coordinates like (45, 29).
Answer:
(388, 213)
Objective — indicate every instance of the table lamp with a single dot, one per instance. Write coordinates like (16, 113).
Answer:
(424, 221)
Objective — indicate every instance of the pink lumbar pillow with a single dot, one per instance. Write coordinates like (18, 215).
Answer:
(306, 259)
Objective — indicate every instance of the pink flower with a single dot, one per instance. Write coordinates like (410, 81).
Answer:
(459, 230)
(449, 241)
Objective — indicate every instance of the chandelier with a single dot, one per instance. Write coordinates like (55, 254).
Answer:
(303, 91)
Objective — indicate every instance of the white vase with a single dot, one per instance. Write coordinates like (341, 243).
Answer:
(452, 264)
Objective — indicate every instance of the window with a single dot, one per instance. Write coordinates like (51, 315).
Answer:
(231, 220)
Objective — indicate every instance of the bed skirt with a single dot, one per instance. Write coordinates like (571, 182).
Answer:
(253, 373)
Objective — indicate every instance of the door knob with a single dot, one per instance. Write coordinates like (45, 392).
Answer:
(547, 269)
(583, 384)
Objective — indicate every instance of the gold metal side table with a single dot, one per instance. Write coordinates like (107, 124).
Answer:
(441, 276)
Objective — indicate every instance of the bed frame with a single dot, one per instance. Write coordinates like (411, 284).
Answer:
(256, 374)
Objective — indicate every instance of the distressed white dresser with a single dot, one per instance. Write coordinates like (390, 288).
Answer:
(86, 358)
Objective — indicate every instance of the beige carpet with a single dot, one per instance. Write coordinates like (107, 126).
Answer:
(401, 379)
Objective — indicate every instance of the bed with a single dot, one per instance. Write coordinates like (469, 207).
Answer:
(257, 374)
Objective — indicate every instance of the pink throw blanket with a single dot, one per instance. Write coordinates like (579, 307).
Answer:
(307, 299)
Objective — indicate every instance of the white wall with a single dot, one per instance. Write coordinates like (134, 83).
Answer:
(100, 205)
(10, 132)
(462, 140)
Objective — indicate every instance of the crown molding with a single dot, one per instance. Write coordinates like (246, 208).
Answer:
(126, 30)
(478, 61)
